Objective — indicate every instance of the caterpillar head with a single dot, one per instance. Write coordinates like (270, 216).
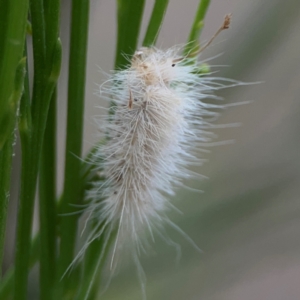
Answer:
(155, 66)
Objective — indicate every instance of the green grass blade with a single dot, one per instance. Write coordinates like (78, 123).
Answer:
(12, 28)
(72, 181)
(31, 147)
(5, 167)
(47, 183)
(130, 13)
(7, 284)
(193, 43)
(47, 207)
(94, 260)
(155, 23)
(7, 152)
(31, 141)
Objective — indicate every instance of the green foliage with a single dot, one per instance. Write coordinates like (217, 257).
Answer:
(13, 16)
(54, 245)
(130, 13)
(156, 20)
(193, 43)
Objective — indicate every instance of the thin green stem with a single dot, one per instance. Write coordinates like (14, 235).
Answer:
(7, 152)
(24, 119)
(31, 149)
(12, 28)
(44, 82)
(130, 13)
(87, 177)
(6, 286)
(72, 180)
(5, 167)
(193, 43)
(47, 178)
(39, 54)
(51, 15)
(47, 207)
(156, 20)
(93, 262)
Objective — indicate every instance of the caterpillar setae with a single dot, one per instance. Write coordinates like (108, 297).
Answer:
(158, 121)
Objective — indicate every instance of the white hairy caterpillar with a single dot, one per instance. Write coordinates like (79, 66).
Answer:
(157, 125)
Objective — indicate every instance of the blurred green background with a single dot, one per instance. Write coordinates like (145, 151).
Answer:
(247, 220)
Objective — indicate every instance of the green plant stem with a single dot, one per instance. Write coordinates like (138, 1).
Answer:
(31, 151)
(6, 286)
(72, 181)
(14, 99)
(5, 167)
(87, 177)
(12, 28)
(7, 151)
(39, 54)
(47, 207)
(47, 178)
(93, 261)
(193, 43)
(156, 20)
(31, 141)
(31, 148)
(24, 119)
(130, 13)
